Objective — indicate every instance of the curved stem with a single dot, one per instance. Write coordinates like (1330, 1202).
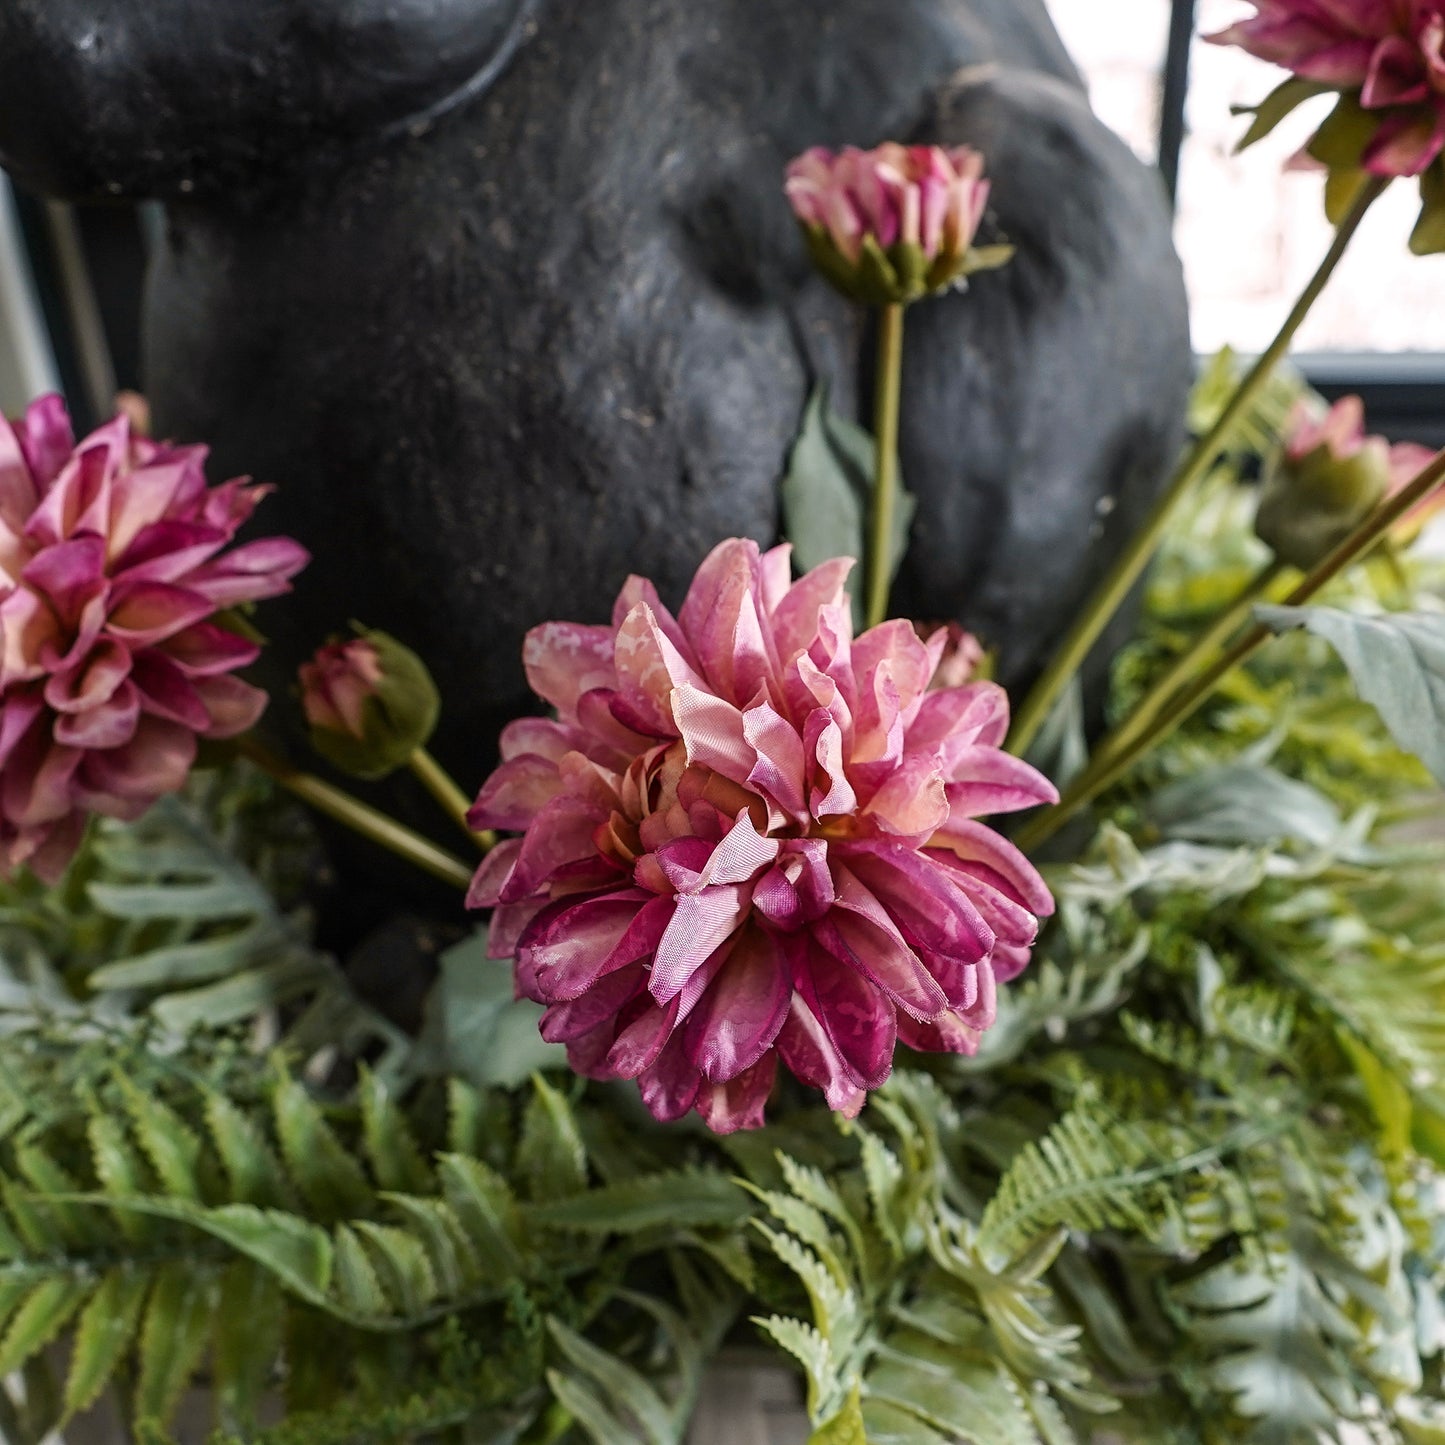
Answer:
(455, 803)
(1104, 772)
(1189, 662)
(887, 399)
(358, 816)
(1132, 563)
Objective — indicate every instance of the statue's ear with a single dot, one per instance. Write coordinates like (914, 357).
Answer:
(155, 98)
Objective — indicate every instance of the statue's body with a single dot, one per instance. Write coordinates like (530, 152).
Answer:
(507, 298)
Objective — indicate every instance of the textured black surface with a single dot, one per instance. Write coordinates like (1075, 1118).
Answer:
(508, 300)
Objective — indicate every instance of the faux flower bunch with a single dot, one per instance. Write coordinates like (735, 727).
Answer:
(890, 225)
(115, 559)
(751, 839)
(1386, 61)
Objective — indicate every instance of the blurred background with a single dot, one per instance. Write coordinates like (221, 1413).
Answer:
(1249, 231)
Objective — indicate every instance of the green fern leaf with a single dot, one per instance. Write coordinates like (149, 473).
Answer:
(357, 1287)
(589, 1411)
(402, 1266)
(106, 1331)
(488, 1214)
(252, 1169)
(396, 1159)
(680, 1200)
(812, 1351)
(248, 1336)
(328, 1178)
(35, 1227)
(119, 1168)
(173, 1149)
(551, 1157)
(173, 1339)
(632, 1394)
(79, 1227)
(453, 1260)
(45, 1312)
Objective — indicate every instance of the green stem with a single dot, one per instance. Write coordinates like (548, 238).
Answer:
(455, 803)
(1187, 664)
(356, 815)
(1105, 771)
(887, 396)
(1132, 563)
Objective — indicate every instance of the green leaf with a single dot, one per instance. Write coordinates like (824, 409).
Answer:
(682, 1200)
(810, 1349)
(45, 1312)
(828, 491)
(449, 1251)
(589, 1411)
(845, 1428)
(1275, 107)
(173, 1339)
(251, 1166)
(1397, 662)
(330, 1180)
(173, 1150)
(248, 1337)
(395, 1157)
(357, 1286)
(106, 1330)
(487, 1211)
(620, 1382)
(551, 1157)
(1428, 237)
(401, 1264)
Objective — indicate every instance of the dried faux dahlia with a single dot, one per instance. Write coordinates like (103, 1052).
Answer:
(113, 563)
(749, 838)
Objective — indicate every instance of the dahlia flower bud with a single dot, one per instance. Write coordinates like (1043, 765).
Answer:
(371, 704)
(750, 841)
(1387, 63)
(962, 658)
(115, 559)
(1330, 478)
(891, 225)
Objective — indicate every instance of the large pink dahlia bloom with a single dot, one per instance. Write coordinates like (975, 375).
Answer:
(113, 563)
(1390, 52)
(750, 838)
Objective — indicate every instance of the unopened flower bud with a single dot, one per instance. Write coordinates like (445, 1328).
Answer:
(1330, 478)
(891, 225)
(370, 702)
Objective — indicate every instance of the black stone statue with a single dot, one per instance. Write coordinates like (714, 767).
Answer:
(506, 296)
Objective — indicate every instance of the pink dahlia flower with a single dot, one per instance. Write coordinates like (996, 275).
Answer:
(894, 223)
(1390, 53)
(114, 561)
(750, 839)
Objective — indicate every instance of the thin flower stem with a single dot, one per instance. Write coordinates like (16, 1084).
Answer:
(1104, 772)
(455, 803)
(357, 816)
(1187, 664)
(888, 393)
(1133, 562)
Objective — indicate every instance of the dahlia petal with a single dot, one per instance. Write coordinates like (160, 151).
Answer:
(92, 682)
(564, 1023)
(29, 630)
(638, 1045)
(81, 490)
(564, 660)
(700, 925)
(165, 551)
(1397, 75)
(107, 725)
(775, 577)
(155, 762)
(739, 1016)
(832, 794)
(670, 1087)
(740, 855)
(149, 612)
(805, 1048)
(860, 1021)
(46, 440)
(714, 733)
(926, 904)
(778, 772)
(913, 803)
(69, 574)
(18, 716)
(1406, 145)
(739, 1103)
(233, 706)
(974, 842)
(947, 1034)
(515, 793)
(649, 666)
(55, 847)
(251, 573)
(895, 650)
(165, 691)
(977, 712)
(560, 834)
(859, 933)
(491, 876)
(984, 781)
(38, 782)
(143, 497)
(568, 948)
(205, 649)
